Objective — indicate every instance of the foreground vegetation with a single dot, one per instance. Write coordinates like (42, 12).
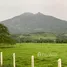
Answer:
(46, 54)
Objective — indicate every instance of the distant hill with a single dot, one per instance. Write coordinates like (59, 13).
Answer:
(29, 22)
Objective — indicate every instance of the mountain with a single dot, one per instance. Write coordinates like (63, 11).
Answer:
(29, 22)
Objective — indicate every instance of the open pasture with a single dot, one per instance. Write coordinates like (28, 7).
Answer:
(46, 54)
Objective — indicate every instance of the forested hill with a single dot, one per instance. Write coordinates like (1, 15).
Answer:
(29, 22)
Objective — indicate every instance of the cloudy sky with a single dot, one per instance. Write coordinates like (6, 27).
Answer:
(11, 8)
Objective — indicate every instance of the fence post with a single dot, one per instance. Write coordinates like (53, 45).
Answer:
(32, 61)
(59, 62)
(14, 65)
(1, 59)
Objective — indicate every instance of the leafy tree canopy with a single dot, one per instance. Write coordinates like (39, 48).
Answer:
(5, 35)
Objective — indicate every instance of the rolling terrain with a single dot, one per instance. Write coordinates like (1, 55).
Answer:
(30, 23)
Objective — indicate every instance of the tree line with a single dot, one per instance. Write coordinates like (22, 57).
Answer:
(6, 37)
(27, 39)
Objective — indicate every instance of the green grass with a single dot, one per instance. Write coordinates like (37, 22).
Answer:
(46, 54)
(42, 35)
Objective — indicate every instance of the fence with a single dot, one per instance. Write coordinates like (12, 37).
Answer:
(32, 60)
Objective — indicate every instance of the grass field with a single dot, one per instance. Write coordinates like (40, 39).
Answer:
(46, 54)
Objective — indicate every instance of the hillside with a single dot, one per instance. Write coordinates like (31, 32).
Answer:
(29, 22)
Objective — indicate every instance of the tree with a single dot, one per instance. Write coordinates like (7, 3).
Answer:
(5, 35)
(62, 38)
